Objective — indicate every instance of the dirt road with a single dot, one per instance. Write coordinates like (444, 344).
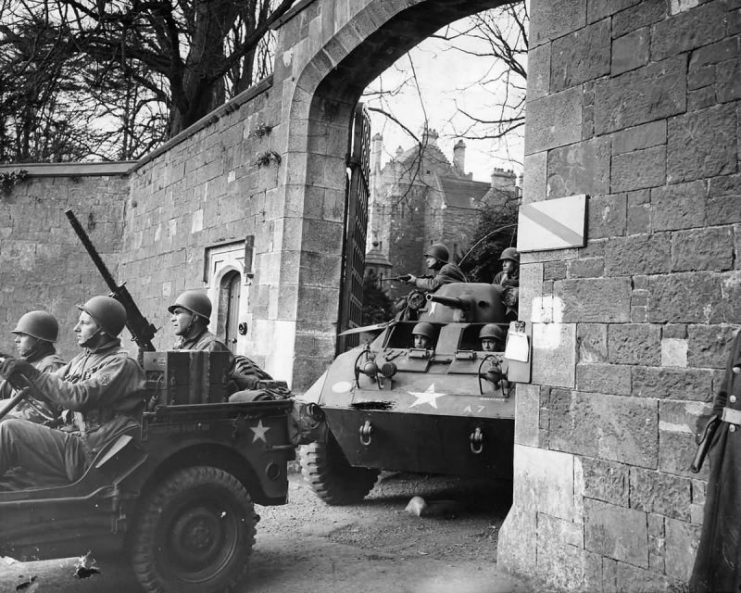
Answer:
(309, 547)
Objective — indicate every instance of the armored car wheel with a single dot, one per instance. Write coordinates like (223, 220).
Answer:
(331, 477)
(194, 533)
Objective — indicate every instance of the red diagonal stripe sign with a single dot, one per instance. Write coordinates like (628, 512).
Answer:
(552, 224)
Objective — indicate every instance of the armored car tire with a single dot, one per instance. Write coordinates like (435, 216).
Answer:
(194, 533)
(331, 477)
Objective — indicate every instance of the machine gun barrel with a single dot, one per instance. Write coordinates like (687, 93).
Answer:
(454, 302)
(141, 330)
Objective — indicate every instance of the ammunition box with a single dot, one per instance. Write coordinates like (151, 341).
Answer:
(186, 376)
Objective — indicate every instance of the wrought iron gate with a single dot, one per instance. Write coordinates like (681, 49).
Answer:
(356, 222)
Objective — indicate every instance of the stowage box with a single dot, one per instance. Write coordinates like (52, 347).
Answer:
(187, 376)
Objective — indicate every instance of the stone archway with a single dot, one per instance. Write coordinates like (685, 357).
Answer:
(324, 94)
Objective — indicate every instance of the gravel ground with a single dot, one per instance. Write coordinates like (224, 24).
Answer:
(376, 546)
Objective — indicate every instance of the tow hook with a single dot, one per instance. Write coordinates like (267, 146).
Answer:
(365, 433)
(477, 441)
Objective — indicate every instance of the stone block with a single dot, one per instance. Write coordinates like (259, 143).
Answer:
(673, 352)
(554, 354)
(688, 31)
(657, 492)
(671, 383)
(701, 98)
(515, 552)
(702, 144)
(724, 200)
(552, 19)
(638, 169)
(593, 267)
(679, 421)
(684, 298)
(639, 580)
(606, 216)
(616, 428)
(681, 546)
(534, 186)
(606, 481)
(581, 168)
(539, 72)
(599, 9)
(592, 341)
(553, 530)
(679, 206)
(656, 540)
(638, 254)
(728, 80)
(527, 415)
(727, 307)
(567, 568)
(600, 300)
(580, 56)
(653, 92)
(631, 343)
(637, 16)
(531, 287)
(616, 532)
(554, 270)
(630, 51)
(639, 137)
(553, 120)
(708, 345)
(703, 249)
(638, 219)
(544, 482)
(603, 378)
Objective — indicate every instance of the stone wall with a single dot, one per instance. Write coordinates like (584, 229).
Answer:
(635, 103)
(44, 265)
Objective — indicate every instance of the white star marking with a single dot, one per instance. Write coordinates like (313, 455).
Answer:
(259, 431)
(428, 396)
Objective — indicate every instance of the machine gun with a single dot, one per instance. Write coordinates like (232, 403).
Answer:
(141, 330)
(402, 278)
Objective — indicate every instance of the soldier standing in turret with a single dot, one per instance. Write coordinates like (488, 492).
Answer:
(509, 280)
(35, 334)
(437, 257)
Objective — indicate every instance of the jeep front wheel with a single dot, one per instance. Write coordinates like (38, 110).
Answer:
(331, 476)
(194, 533)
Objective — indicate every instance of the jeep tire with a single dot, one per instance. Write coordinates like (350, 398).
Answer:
(331, 476)
(194, 532)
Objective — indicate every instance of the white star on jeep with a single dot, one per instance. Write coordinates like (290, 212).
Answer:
(259, 431)
(428, 396)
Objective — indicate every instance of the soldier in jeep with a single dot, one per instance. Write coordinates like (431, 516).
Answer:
(35, 335)
(100, 389)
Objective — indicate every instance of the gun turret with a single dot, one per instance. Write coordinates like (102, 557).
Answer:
(141, 330)
(454, 302)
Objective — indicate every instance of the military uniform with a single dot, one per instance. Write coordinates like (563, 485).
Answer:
(447, 274)
(718, 563)
(101, 390)
(205, 341)
(33, 409)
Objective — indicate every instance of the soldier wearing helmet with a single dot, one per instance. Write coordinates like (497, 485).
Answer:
(510, 274)
(35, 334)
(492, 338)
(101, 390)
(437, 257)
(424, 334)
(190, 315)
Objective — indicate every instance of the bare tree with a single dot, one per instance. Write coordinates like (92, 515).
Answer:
(152, 68)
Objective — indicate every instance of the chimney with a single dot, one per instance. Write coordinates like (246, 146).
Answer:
(459, 158)
(502, 180)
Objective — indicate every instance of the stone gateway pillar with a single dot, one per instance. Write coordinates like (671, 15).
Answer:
(636, 104)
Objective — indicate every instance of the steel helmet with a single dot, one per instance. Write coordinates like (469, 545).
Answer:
(492, 331)
(38, 324)
(439, 251)
(511, 254)
(195, 301)
(108, 313)
(424, 328)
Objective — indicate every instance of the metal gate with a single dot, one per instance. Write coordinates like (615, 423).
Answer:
(356, 222)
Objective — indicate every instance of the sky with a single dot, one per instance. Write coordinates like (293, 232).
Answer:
(447, 79)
